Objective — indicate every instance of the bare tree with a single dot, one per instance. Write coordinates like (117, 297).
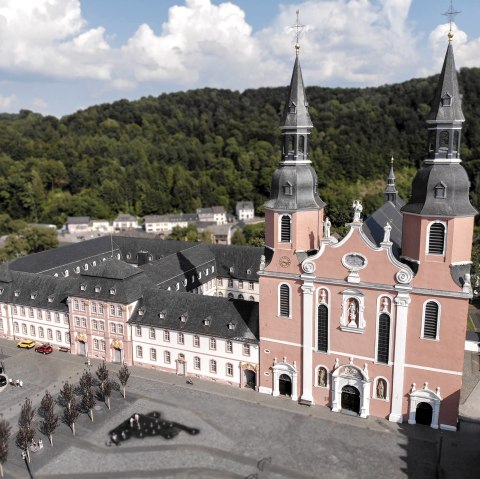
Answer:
(50, 419)
(66, 394)
(123, 375)
(102, 372)
(70, 414)
(86, 381)
(88, 401)
(106, 391)
(26, 431)
(5, 431)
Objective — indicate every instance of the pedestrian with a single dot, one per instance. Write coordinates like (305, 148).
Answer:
(24, 455)
(20, 383)
(40, 444)
(17, 382)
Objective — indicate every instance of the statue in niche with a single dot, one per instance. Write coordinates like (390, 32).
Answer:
(322, 377)
(357, 211)
(381, 389)
(323, 296)
(352, 313)
(326, 228)
(385, 304)
(387, 230)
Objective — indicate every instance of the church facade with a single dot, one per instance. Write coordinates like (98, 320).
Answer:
(374, 323)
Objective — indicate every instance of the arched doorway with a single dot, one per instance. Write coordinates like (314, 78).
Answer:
(351, 399)
(285, 385)
(250, 378)
(424, 414)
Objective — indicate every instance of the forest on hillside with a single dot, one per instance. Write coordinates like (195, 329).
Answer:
(180, 151)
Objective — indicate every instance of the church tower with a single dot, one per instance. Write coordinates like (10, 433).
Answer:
(438, 218)
(294, 212)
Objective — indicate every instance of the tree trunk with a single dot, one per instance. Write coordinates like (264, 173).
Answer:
(123, 392)
(51, 439)
(91, 414)
(28, 454)
(1, 469)
(108, 403)
(73, 428)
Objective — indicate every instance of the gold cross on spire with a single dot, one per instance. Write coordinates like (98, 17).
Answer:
(451, 13)
(298, 27)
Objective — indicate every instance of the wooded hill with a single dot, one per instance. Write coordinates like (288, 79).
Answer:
(181, 151)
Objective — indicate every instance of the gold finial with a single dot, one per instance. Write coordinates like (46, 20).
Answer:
(298, 27)
(451, 13)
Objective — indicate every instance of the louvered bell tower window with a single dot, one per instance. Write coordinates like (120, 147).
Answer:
(284, 300)
(436, 239)
(383, 338)
(430, 322)
(285, 228)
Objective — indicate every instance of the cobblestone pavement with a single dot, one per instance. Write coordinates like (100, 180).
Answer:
(243, 434)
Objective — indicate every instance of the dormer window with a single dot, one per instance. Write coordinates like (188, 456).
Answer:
(162, 315)
(97, 289)
(16, 292)
(231, 326)
(33, 295)
(292, 108)
(129, 255)
(249, 271)
(83, 287)
(113, 291)
(85, 267)
(1, 290)
(141, 311)
(440, 190)
(77, 269)
(183, 318)
(447, 100)
(288, 189)
(232, 269)
(65, 273)
(51, 298)
(207, 321)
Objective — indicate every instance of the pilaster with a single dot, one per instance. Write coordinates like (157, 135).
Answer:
(307, 340)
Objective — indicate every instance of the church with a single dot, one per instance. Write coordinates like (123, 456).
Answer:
(371, 324)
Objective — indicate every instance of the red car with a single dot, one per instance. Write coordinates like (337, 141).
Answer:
(44, 349)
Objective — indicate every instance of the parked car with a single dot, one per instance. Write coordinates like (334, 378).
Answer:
(3, 381)
(26, 344)
(44, 349)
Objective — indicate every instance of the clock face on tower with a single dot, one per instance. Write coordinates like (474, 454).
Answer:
(284, 261)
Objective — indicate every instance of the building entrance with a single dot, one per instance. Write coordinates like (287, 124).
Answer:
(82, 349)
(285, 385)
(250, 379)
(351, 399)
(424, 414)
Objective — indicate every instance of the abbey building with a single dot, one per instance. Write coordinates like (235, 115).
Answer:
(373, 324)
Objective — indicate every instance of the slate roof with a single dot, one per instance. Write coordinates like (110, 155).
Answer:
(78, 220)
(245, 205)
(447, 85)
(112, 268)
(125, 218)
(374, 224)
(242, 314)
(47, 261)
(245, 261)
(180, 263)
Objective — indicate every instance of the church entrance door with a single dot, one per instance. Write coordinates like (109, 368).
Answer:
(351, 399)
(285, 385)
(423, 414)
(82, 349)
(250, 379)
(117, 356)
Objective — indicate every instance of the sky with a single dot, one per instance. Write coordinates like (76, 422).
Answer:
(59, 56)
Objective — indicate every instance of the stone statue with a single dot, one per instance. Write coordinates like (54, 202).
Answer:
(352, 313)
(326, 228)
(385, 304)
(386, 236)
(322, 378)
(380, 389)
(467, 284)
(357, 211)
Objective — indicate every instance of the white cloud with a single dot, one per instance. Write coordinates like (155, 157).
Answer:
(7, 102)
(39, 104)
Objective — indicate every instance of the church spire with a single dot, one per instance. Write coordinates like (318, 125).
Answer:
(391, 192)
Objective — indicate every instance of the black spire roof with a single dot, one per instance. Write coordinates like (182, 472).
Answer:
(391, 193)
(447, 103)
(295, 113)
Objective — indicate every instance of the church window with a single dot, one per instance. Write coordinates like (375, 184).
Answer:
(284, 300)
(436, 238)
(431, 141)
(285, 228)
(430, 320)
(440, 191)
(444, 139)
(288, 189)
(383, 344)
(322, 328)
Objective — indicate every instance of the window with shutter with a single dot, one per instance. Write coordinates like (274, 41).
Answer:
(284, 306)
(383, 345)
(430, 321)
(436, 239)
(322, 339)
(285, 229)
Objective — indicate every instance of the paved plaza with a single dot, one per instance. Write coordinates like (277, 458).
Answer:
(243, 434)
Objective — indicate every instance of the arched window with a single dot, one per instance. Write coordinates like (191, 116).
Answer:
(251, 298)
(290, 143)
(456, 141)
(430, 320)
(444, 139)
(322, 328)
(383, 344)
(284, 301)
(285, 228)
(301, 144)
(230, 295)
(436, 239)
(229, 369)
(240, 296)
